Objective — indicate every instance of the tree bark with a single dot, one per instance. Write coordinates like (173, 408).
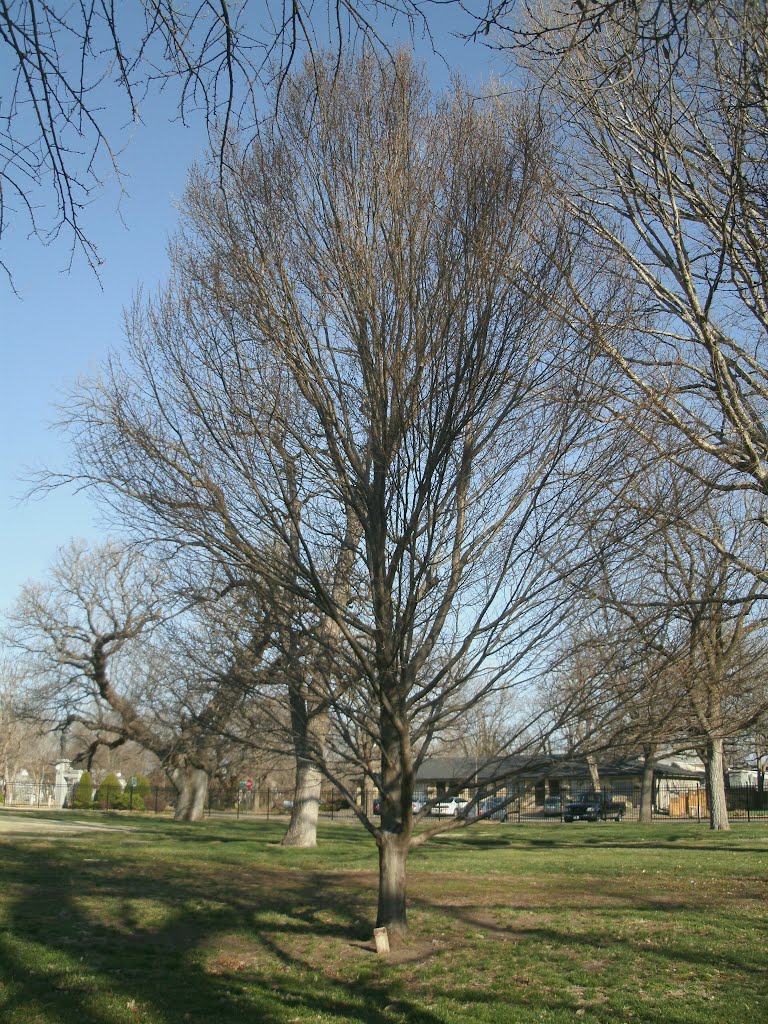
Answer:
(646, 788)
(302, 829)
(393, 858)
(718, 808)
(594, 775)
(192, 788)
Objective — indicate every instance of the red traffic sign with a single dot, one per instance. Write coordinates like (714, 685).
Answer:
(249, 783)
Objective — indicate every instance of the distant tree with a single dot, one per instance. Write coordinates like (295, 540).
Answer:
(686, 594)
(101, 653)
(24, 743)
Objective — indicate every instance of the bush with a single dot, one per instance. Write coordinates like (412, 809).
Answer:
(109, 793)
(83, 794)
(143, 788)
(133, 801)
(125, 801)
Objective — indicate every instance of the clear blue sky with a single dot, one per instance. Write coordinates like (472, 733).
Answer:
(64, 322)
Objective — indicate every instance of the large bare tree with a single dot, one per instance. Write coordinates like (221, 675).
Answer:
(355, 368)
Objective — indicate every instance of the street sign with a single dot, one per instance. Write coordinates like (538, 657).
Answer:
(134, 781)
(249, 784)
(242, 783)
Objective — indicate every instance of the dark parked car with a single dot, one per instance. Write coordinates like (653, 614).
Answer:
(594, 807)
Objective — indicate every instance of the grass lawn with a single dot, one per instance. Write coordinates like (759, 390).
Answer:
(156, 923)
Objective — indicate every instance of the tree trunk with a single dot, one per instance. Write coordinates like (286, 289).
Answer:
(192, 789)
(594, 775)
(302, 829)
(646, 789)
(309, 728)
(718, 808)
(393, 858)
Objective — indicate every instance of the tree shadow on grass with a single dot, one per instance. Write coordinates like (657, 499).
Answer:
(96, 944)
(539, 924)
(611, 835)
(111, 936)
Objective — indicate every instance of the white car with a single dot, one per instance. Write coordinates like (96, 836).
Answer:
(451, 807)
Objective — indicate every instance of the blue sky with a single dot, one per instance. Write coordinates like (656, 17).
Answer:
(66, 321)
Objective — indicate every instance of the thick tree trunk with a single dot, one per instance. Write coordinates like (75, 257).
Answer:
(302, 828)
(646, 788)
(192, 789)
(718, 808)
(393, 858)
(309, 729)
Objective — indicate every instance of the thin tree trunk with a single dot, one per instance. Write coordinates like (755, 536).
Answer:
(393, 858)
(646, 788)
(192, 789)
(718, 808)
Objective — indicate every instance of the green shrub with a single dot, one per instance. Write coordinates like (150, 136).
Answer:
(125, 801)
(83, 794)
(132, 801)
(109, 793)
(143, 788)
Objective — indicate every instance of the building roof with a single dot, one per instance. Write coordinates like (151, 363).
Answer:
(460, 769)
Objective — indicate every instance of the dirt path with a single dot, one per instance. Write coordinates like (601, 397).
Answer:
(21, 823)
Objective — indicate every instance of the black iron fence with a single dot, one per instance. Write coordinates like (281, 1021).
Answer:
(519, 803)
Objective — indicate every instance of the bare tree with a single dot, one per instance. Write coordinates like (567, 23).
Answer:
(354, 359)
(618, 691)
(562, 24)
(103, 652)
(692, 620)
(667, 170)
(77, 77)
(24, 744)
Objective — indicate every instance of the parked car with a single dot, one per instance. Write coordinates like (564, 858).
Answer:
(495, 807)
(416, 805)
(553, 807)
(594, 807)
(450, 806)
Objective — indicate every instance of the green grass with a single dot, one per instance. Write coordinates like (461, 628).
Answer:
(216, 923)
